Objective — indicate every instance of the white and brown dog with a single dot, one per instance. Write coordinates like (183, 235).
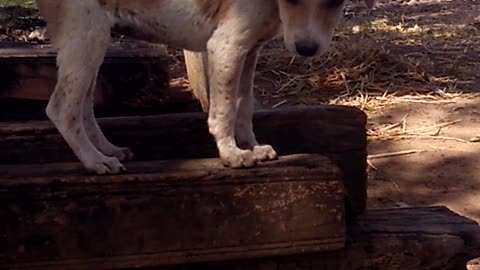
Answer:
(230, 31)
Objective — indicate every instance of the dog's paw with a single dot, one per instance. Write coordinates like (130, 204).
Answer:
(105, 165)
(264, 153)
(238, 158)
(121, 153)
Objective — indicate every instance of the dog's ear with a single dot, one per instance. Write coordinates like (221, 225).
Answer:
(370, 3)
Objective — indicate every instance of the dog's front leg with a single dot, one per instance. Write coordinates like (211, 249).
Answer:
(245, 108)
(226, 55)
(65, 109)
(94, 132)
(82, 45)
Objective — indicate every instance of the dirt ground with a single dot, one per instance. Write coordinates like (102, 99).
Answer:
(414, 68)
(447, 171)
(442, 39)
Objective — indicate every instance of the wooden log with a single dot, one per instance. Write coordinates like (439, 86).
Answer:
(337, 132)
(132, 75)
(421, 238)
(168, 212)
(425, 238)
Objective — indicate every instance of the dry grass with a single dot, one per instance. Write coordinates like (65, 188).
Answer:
(378, 59)
(367, 75)
(400, 130)
(377, 63)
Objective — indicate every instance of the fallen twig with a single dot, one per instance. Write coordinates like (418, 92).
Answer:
(279, 104)
(394, 154)
(369, 163)
(431, 137)
(438, 126)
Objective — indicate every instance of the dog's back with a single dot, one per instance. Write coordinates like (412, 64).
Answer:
(184, 24)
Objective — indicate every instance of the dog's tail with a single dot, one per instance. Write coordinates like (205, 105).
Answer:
(53, 12)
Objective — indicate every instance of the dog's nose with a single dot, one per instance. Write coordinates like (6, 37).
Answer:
(306, 48)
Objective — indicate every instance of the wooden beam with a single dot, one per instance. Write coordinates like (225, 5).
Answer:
(130, 73)
(337, 132)
(420, 238)
(168, 212)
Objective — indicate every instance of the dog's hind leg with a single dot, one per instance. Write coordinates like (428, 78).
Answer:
(95, 133)
(245, 108)
(82, 45)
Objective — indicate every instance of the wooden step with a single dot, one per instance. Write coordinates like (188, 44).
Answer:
(180, 210)
(337, 132)
(419, 238)
(133, 75)
(168, 212)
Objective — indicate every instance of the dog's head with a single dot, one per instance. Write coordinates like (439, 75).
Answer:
(309, 25)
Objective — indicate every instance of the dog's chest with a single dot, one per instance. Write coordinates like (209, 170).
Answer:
(176, 23)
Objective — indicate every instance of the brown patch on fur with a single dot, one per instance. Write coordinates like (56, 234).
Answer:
(328, 17)
(214, 10)
(269, 29)
(298, 15)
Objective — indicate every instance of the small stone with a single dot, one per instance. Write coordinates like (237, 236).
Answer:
(475, 139)
(38, 34)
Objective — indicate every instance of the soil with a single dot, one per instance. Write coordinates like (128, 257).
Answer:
(447, 171)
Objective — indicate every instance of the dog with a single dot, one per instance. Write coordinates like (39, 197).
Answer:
(231, 32)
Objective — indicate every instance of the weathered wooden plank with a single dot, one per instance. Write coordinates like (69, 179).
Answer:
(424, 238)
(421, 238)
(334, 131)
(168, 212)
(131, 73)
(14, 51)
(315, 129)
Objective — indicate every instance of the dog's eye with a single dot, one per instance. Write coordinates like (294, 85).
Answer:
(293, 2)
(334, 3)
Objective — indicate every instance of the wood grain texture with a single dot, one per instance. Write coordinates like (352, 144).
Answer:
(129, 70)
(168, 212)
(337, 132)
(421, 238)
(426, 238)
